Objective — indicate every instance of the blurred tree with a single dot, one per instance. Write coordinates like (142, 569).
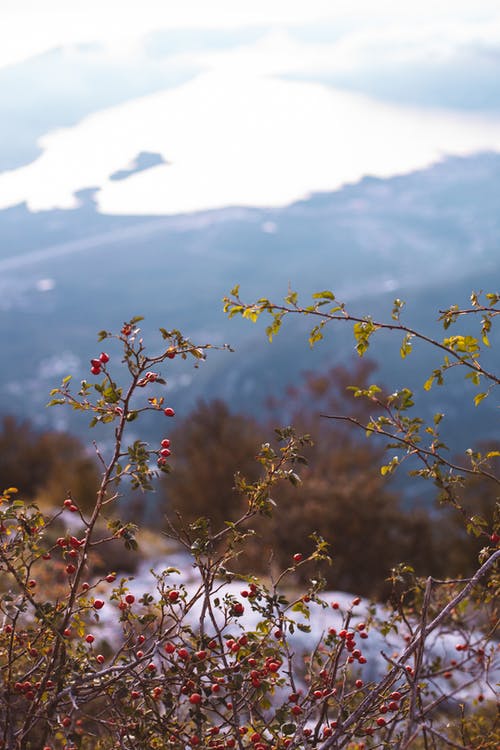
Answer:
(342, 494)
(208, 448)
(45, 465)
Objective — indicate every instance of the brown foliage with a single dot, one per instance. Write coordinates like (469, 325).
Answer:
(45, 465)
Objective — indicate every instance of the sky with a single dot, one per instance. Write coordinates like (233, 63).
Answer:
(295, 107)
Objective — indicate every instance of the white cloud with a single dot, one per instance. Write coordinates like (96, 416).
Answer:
(238, 138)
(29, 27)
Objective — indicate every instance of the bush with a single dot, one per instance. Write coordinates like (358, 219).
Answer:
(221, 660)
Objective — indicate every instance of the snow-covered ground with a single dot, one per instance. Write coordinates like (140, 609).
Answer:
(440, 645)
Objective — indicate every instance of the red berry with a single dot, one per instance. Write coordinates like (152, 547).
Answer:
(381, 721)
(298, 557)
(183, 653)
(98, 604)
(165, 443)
(100, 658)
(103, 357)
(90, 638)
(95, 370)
(165, 452)
(169, 648)
(359, 683)
(171, 352)
(201, 655)
(169, 412)
(111, 578)
(68, 502)
(238, 609)
(495, 538)
(173, 595)
(195, 699)
(70, 569)
(130, 598)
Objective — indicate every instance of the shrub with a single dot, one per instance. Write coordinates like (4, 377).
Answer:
(221, 660)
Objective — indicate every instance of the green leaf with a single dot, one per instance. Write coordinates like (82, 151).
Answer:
(428, 383)
(326, 294)
(479, 397)
(303, 628)
(251, 314)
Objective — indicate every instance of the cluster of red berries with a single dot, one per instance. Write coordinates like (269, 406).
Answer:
(149, 377)
(96, 364)
(252, 594)
(70, 505)
(164, 451)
